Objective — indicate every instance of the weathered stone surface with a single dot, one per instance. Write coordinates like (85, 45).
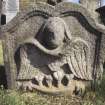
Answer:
(0, 11)
(91, 6)
(24, 4)
(0, 17)
(53, 49)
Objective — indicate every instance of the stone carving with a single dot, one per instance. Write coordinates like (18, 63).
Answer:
(60, 50)
(53, 2)
(53, 49)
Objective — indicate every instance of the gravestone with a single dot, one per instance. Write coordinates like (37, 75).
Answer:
(91, 6)
(53, 49)
(0, 11)
(0, 17)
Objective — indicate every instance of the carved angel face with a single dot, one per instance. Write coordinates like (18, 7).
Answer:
(54, 32)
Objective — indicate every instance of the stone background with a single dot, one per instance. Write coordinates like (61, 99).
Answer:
(25, 3)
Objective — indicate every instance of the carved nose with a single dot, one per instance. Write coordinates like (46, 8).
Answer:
(52, 35)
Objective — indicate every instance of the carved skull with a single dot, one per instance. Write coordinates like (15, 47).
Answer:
(54, 32)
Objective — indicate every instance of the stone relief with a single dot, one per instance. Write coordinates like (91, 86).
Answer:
(53, 49)
(63, 57)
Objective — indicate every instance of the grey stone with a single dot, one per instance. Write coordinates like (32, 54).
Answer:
(0, 16)
(91, 6)
(0, 10)
(61, 44)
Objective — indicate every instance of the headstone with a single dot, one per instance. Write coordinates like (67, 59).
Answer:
(0, 17)
(0, 11)
(91, 6)
(53, 49)
(3, 13)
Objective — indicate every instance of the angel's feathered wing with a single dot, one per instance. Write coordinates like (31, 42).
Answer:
(77, 55)
(33, 61)
(78, 59)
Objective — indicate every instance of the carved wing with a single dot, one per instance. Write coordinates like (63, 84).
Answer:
(78, 59)
(33, 61)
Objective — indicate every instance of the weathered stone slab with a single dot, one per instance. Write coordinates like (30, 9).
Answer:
(53, 49)
(0, 10)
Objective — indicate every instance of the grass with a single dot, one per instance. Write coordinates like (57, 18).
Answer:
(8, 97)
(18, 98)
(97, 97)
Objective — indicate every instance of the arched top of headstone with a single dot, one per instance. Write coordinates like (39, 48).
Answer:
(62, 9)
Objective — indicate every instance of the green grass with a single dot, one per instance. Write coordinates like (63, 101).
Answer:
(19, 98)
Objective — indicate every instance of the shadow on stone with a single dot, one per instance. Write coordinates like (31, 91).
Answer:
(3, 81)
